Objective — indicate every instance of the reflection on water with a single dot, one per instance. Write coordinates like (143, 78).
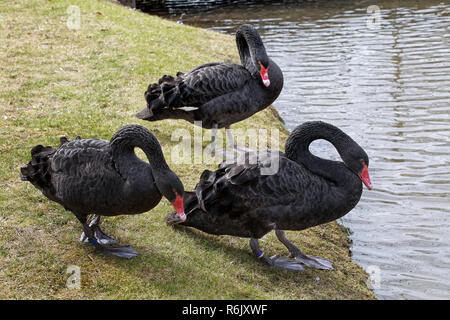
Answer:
(389, 88)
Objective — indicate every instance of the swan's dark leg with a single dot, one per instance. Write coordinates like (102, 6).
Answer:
(230, 138)
(274, 261)
(232, 143)
(212, 146)
(101, 237)
(119, 251)
(310, 261)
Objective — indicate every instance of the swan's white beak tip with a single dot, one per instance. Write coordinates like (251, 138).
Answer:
(266, 82)
(182, 216)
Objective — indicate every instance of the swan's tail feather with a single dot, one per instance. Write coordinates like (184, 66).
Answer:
(163, 94)
(209, 196)
(37, 170)
(163, 98)
(205, 189)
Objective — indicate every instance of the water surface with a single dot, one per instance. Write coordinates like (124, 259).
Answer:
(388, 86)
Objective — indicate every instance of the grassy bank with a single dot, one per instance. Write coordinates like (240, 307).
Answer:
(90, 81)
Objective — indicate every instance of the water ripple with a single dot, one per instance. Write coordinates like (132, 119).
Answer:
(389, 89)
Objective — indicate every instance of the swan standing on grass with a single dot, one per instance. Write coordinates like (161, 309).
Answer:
(238, 200)
(105, 178)
(218, 94)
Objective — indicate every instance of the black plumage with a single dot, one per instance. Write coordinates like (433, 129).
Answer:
(240, 199)
(105, 178)
(220, 93)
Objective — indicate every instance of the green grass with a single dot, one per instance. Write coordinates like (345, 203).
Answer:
(89, 82)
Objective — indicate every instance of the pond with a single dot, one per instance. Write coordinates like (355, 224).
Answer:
(382, 74)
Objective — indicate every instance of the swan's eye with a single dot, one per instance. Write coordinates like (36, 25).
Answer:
(364, 162)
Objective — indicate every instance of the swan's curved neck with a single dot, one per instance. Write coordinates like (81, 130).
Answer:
(251, 49)
(130, 137)
(297, 149)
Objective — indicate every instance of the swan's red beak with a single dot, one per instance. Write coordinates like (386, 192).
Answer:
(364, 176)
(264, 75)
(179, 207)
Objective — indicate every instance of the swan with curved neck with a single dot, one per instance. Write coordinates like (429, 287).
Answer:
(238, 200)
(218, 94)
(94, 176)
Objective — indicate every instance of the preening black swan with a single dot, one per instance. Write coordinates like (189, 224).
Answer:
(241, 200)
(220, 94)
(94, 176)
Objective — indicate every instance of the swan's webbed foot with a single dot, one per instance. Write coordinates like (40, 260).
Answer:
(126, 252)
(275, 261)
(314, 262)
(222, 154)
(242, 149)
(229, 156)
(101, 237)
(298, 255)
(232, 143)
(285, 264)
(226, 155)
(94, 235)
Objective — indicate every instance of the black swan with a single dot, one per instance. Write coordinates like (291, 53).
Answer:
(239, 200)
(94, 176)
(218, 94)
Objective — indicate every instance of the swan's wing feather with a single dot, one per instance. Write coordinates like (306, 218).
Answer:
(81, 166)
(251, 165)
(74, 157)
(245, 187)
(212, 80)
(202, 66)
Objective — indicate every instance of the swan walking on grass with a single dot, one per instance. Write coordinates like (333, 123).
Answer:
(105, 178)
(306, 191)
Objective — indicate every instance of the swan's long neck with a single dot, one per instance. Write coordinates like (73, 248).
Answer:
(297, 149)
(126, 140)
(251, 48)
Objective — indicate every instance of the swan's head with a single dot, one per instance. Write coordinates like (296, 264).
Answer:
(252, 52)
(264, 72)
(179, 206)
(191, 207)
(364, 175)
(358, 161)
(172, 189)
